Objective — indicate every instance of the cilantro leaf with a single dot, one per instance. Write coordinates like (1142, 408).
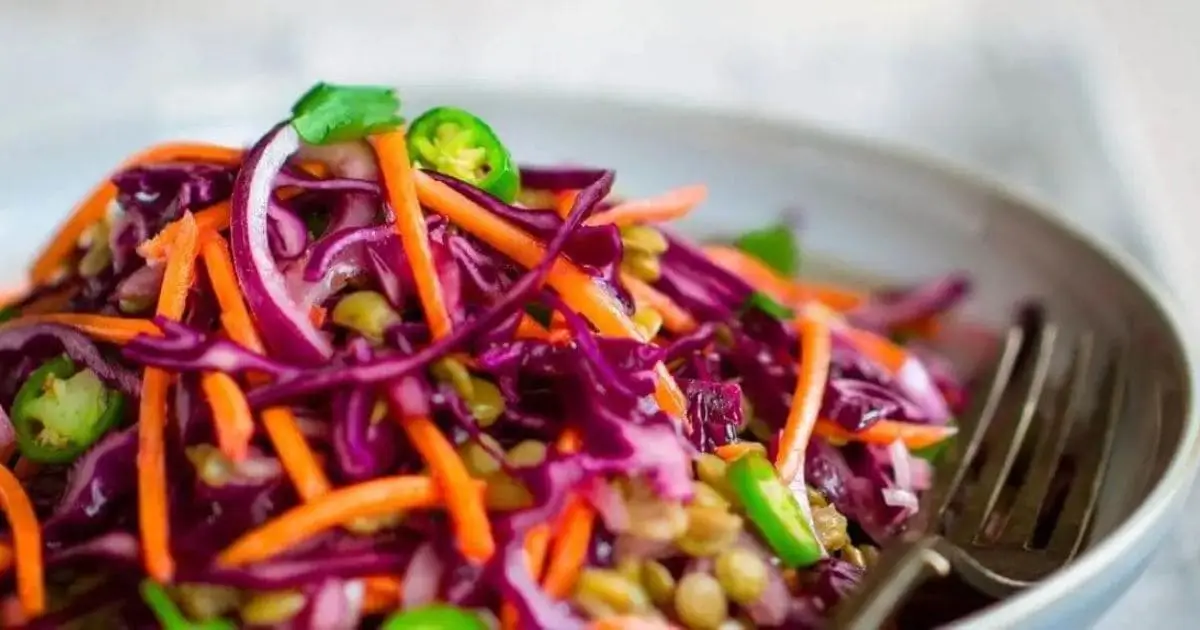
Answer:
(329, 113)
(766, 304)
(775, 246)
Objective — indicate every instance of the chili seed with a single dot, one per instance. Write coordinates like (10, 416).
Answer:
(700, 602)
(742, 574)
(710, 530)
(366, 312)
(212, 467)
(659, 583)
(272, 607)
(606, 592)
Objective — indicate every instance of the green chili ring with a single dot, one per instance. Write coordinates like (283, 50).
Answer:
(457, 143)
(60, 412)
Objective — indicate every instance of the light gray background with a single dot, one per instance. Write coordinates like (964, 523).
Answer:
(1061, 100)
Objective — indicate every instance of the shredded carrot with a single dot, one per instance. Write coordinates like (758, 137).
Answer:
(816, 345)
(27, 543)
(94, 206)
(537, 544)
(397, 173)
(675, 318)
(211, 219)
(730, 452)
(6, 558)
(672, 204)
(467, 511)
(118, 330)
(371, 499)
(293, 450)
(317, 315)
(573, 534)
(383, 594)
(881, 349)
(781, 289)
(564, 201)
(914, 436)
(152, 418)
(577, 288)
(630, 623)
(230, 413)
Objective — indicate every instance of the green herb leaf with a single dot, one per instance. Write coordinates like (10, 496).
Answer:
(934, 452)
(330, 113)
(539, 313)
(766, 304)
(775, 246)
(9, 312)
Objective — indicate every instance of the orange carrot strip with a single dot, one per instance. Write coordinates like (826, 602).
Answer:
(570, 551)
(675, 318)
(467, 511)
(211, 219)
(118, 330)
(630, 623)
(670, 205)
(152, 418)
(781, 289)
(371, 499)
(881, 349)
(573, 534)
(230, 412)
(6, 558)
(383, 594)
(577, 288)
(397, 173)
(27, 543)
(537, 544)
(816, 345)
(293, 450)
(94, 206)
(564, 201)
(914, 436)
(730, 452)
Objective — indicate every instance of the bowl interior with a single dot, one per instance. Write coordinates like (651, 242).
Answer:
(875, 212)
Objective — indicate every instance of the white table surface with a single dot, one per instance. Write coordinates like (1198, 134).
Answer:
(1068, 101)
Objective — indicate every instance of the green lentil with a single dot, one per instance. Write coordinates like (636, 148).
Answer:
(527, 453)
(206, 601)
(366, 312)
(272, 607)
(658, 582)
(648, 321)
(711, 470)
(478, 458)
(606, 592)
(742, 574)
(709, 531)
(486, 402)
(831, 527)
(704, 495)
(505, 494)
(643, 239)
(642, 266)
(700, 603)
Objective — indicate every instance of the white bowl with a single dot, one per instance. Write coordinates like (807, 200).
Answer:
(873, 210)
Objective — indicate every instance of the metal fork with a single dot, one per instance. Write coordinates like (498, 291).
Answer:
(998, 550)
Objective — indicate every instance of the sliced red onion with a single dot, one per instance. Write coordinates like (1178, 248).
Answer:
(922, 474)
(331, 251)
(285, 325)
(288, 233)
(916, 383)
(895, 497)
(901, 465)
(609, 504)
(422, 577)
(8, 434)
(332, 604)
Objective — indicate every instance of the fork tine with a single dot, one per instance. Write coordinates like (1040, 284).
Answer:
(975, 422)
(1052, 429)
(1006, 438)
(1072, 525)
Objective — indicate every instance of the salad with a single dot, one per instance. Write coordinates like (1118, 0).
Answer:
(373, 372)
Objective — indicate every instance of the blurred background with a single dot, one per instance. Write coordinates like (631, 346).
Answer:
(1088, 105)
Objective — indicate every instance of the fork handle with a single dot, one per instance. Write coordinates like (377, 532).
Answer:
(889, 583)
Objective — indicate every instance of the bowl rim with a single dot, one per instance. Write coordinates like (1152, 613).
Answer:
(1176, 478)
